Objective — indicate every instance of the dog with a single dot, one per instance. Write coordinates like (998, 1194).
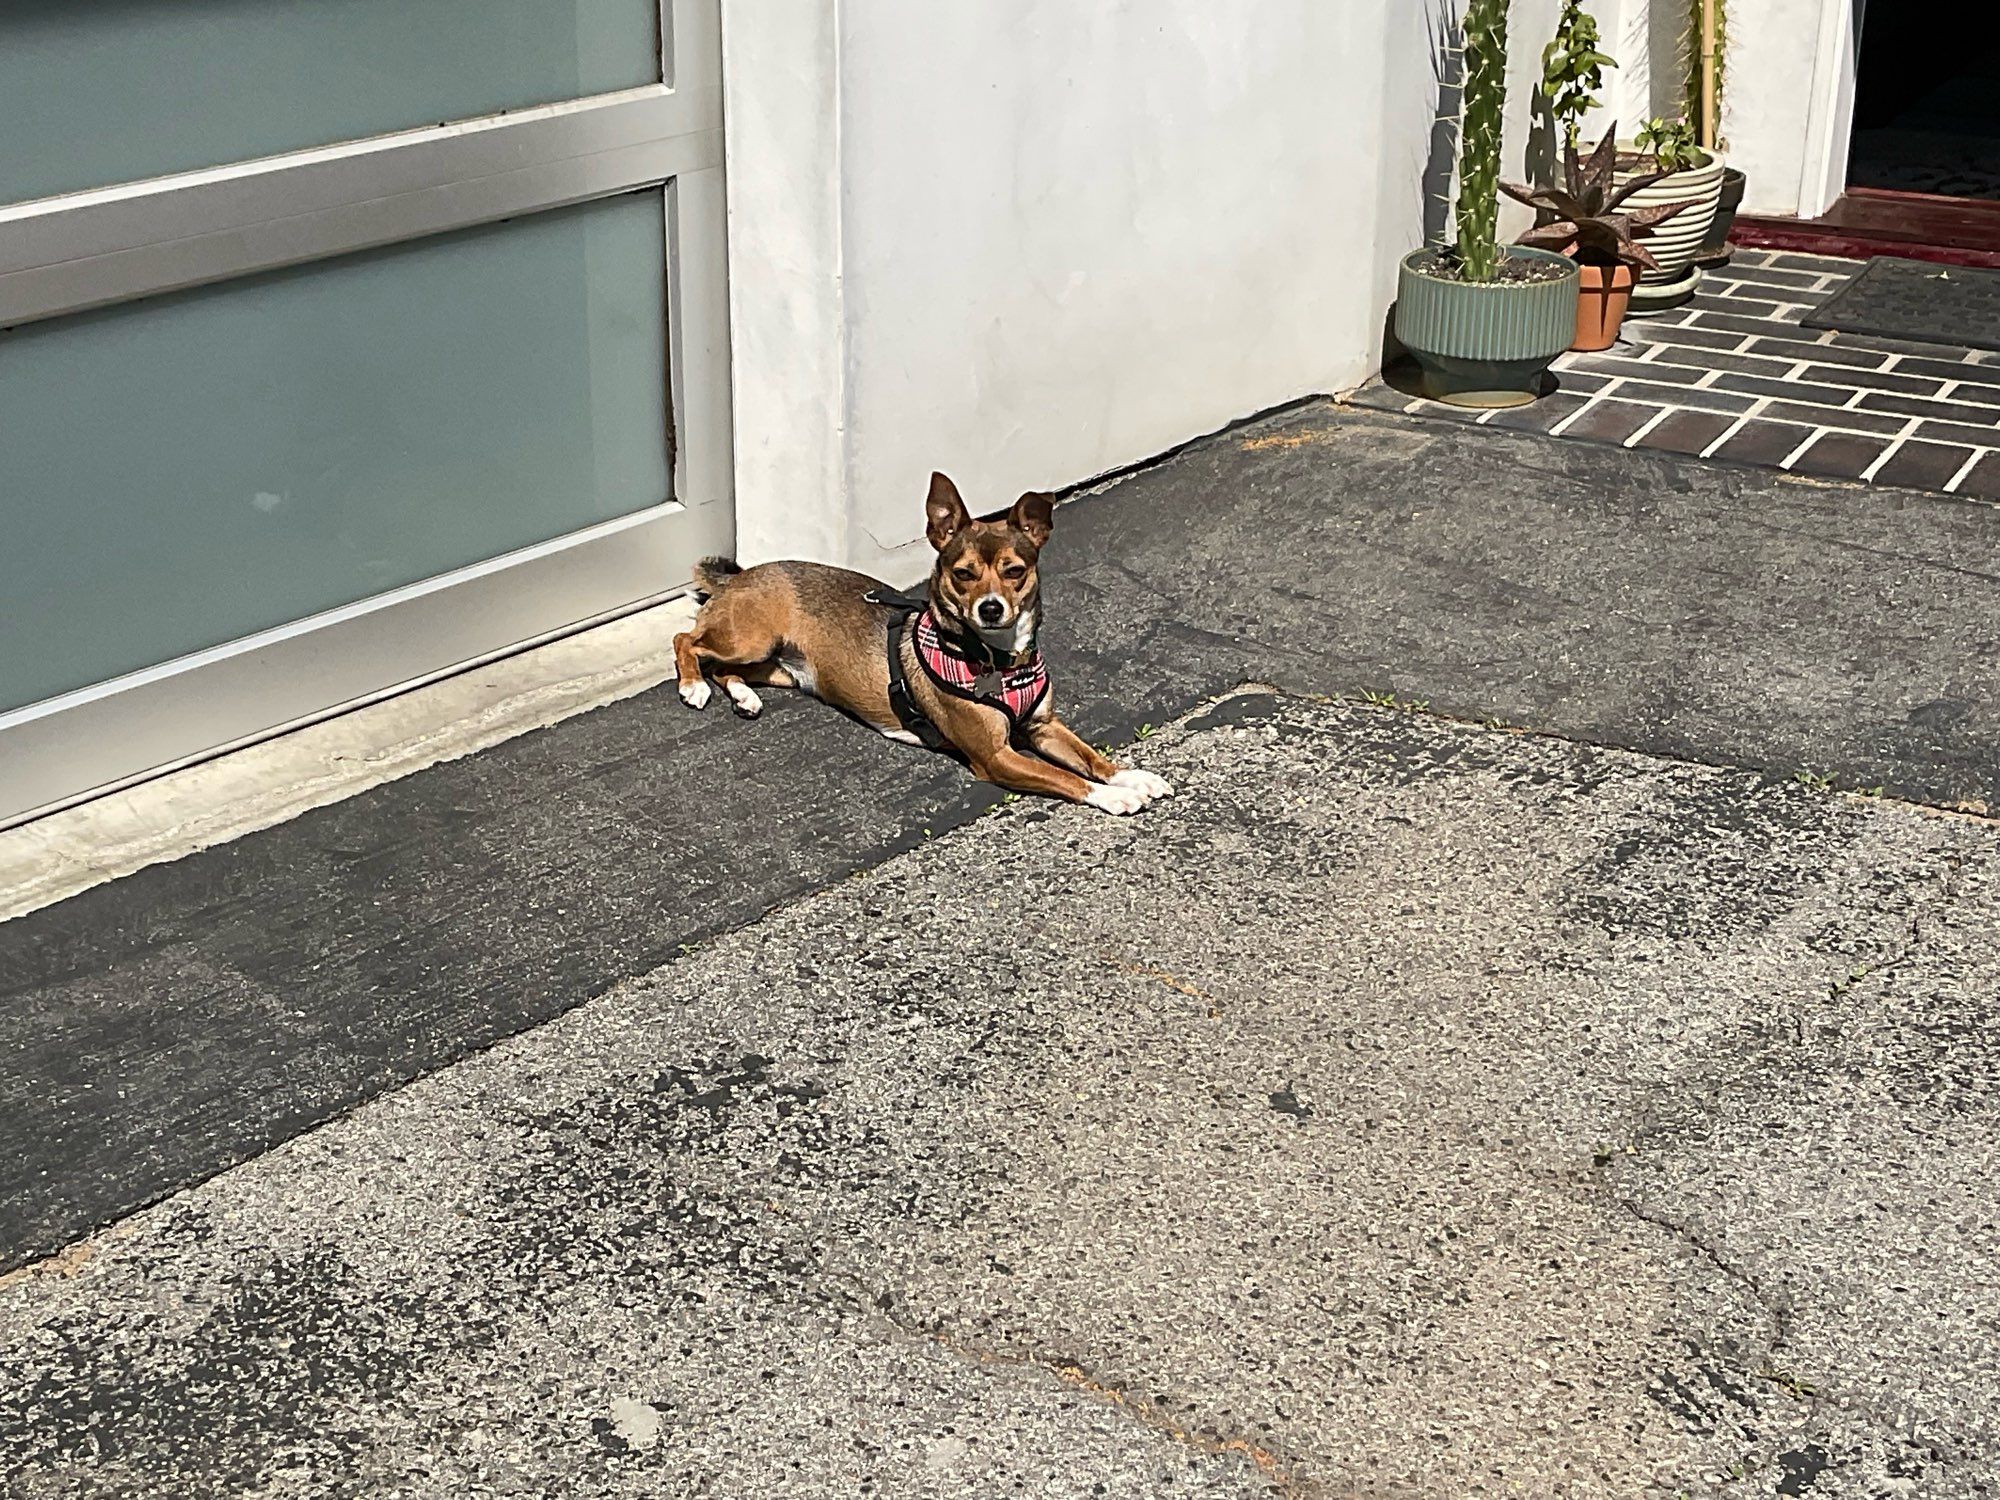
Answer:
(957, 670)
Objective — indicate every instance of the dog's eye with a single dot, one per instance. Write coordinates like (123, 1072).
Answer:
(1014, 575)
(965, 575)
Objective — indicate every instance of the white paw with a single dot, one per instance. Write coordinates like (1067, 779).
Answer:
(1116, 799)
(747, 702)
(1144, 782)
(695, 694)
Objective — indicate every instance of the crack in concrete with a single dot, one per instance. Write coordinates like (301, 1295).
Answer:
(1969, 812)
(1949, 886)
(1289, 439)
(1774, 1305)
(1816, 1394)
(1825, 539)
(1143, 1411)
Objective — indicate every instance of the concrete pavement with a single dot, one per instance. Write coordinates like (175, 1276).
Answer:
(159, 1028)
(1405, 1109)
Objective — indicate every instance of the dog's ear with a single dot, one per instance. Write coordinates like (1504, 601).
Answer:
(1034, 515)
(945, 515)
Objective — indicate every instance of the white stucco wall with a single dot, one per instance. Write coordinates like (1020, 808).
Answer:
(787, 332)
(1048, 238)
(1077, 235)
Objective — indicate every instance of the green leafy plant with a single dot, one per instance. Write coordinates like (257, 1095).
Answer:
(1582, 218)
(1799, 1388)
(1390, 700)
(1573, 70)
(1479, 139)
(1671, 143)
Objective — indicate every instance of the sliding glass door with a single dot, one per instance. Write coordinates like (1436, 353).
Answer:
(342, 344)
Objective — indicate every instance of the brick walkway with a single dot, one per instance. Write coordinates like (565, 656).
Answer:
(1732, 375)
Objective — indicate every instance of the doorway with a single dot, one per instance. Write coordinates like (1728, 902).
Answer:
(1927, 100)
(1909, 151)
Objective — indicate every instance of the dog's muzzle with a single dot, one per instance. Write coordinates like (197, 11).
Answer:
(992, 610)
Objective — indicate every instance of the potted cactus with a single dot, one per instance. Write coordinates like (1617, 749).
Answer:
(1586, 220)
(1484, 320)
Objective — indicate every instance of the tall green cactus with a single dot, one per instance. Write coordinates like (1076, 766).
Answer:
(1479, 138)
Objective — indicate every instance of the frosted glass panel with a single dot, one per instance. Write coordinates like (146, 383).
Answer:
(181, 472)
(94, 92)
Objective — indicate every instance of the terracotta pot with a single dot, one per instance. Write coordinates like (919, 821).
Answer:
(1601, 308)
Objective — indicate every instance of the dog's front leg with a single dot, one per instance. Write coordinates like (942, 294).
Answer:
(1056, 741)
(1008, 767)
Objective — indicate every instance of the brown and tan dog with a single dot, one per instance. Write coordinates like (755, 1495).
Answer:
(957, 668)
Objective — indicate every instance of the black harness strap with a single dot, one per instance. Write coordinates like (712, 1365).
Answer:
(908, 714)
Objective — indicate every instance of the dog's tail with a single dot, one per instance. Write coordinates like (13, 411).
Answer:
(712, 575)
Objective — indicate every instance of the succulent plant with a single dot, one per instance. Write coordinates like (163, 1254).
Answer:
(1479, 139)
(1671, 143)
(1582, 218)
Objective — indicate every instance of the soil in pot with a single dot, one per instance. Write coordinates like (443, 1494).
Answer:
(1514, 270)
(1600, 310)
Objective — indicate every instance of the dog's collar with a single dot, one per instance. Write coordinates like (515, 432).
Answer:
(965, 642)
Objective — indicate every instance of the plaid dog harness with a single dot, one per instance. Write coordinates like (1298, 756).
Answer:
(959, 665)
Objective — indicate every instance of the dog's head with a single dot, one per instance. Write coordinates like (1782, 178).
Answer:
(985, 580)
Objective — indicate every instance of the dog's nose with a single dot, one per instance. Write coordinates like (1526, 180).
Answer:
(991, 611)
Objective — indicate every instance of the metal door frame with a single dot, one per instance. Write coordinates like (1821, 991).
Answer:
(94, 249)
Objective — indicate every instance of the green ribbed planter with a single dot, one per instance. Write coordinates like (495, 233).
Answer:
(1485, 344)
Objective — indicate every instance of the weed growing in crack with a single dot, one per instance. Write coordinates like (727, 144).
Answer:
(1786, 1380)
(998, 805)
(1391, 701)
(1816, 781)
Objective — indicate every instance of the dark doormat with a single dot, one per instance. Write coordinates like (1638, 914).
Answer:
(1915, 299)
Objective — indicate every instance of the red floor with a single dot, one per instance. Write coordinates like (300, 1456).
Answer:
(1867, 222)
